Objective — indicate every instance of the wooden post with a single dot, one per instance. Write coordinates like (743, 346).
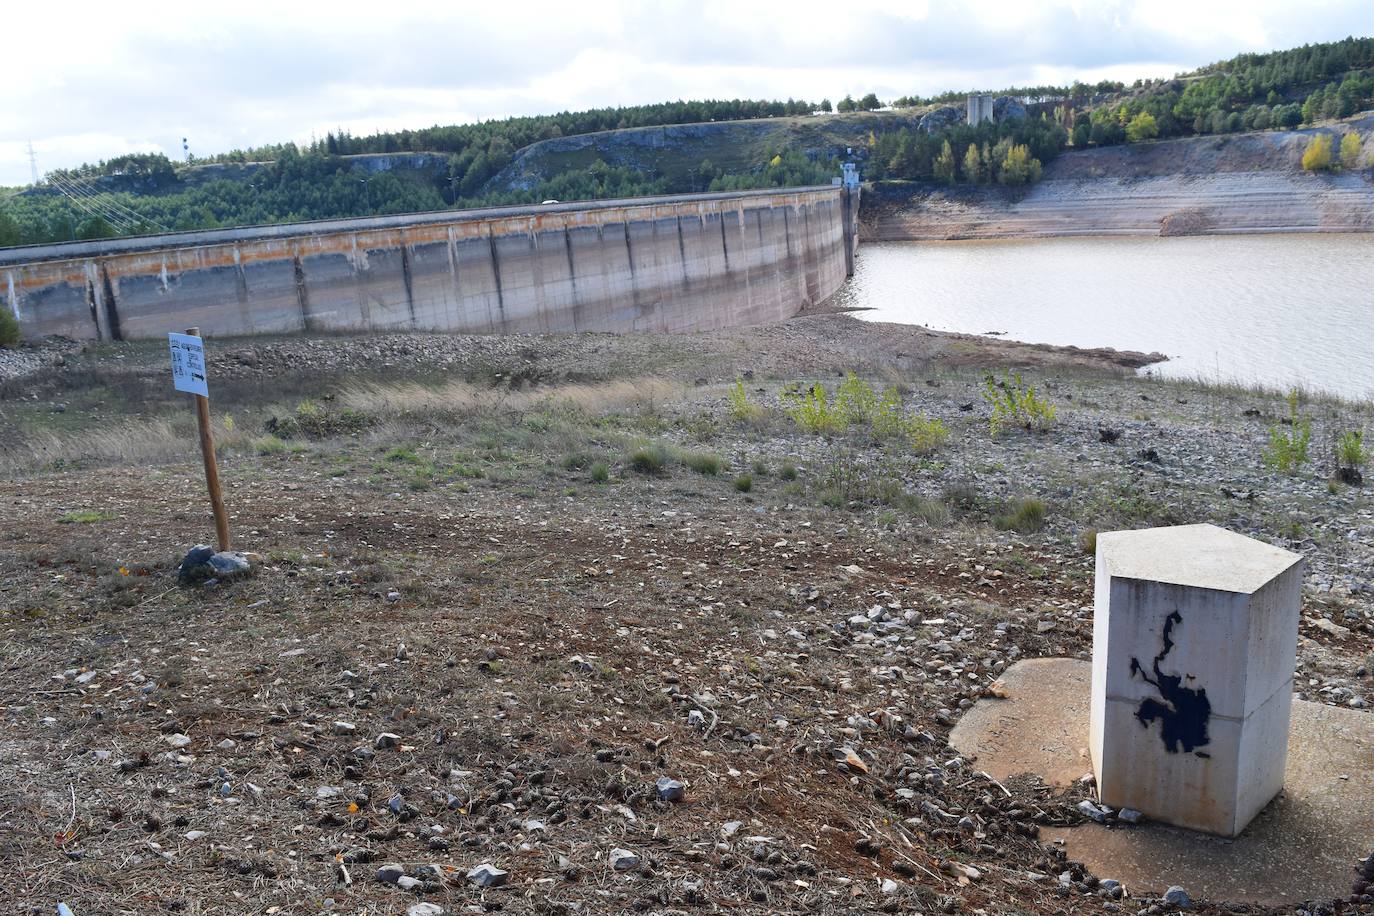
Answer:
(207, 451)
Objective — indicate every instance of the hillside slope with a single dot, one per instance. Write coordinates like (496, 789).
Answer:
(1235, 183)
(676, 152)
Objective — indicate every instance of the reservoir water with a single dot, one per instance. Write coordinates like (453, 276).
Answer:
(1275, 310)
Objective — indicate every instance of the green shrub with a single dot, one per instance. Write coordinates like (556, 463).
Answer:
(312, 419)
(1350, 450)
(889, 421)
(9, 328)
(269, 445)
(855, 402)
(1015, 403)
(812, 412)
(1288, 444)
(648, 459)
(1027, 516)
(1087, 542)
(788, 471)
(888, 417)
(925, 436)
(600, 472)
(708, 463)
(760, 467)
(744, 483)
(741, 410)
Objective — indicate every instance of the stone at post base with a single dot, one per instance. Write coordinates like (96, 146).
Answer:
(203, 563)
(1194, 643)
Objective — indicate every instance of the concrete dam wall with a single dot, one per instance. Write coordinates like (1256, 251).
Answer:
(682, 263)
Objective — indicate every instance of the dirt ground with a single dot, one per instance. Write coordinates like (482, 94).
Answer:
(504, 587)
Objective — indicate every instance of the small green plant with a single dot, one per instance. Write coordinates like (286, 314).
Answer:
(1087, 542)
(742, 410)
(888, 417)
(788, 471)
(1351, 456)
(855, 402)
(84, 517)
(889, 421)
(1350, 450)
(708, 463)
(648, 459)
(1027, 516)
(1288, 443)
(599, 472)
(760, 467)
(812, 412)
(744, 483)
(399, 454)
(1014, 403)
(269, 445)
(9, 329)
(925, 436)
(577, 461)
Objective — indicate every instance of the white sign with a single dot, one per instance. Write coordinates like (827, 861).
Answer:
(188, 364)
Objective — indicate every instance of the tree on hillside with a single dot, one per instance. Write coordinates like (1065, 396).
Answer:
(826, 106)
(1288, 116)
(870, 102)
(973, 165)
(944, 164)
(1020, 167)
(1142, 127)
(847, 104)
(10, 233)
(1317, 156)
(1350, 151)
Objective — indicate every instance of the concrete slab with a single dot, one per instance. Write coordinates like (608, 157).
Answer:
(1303, 846)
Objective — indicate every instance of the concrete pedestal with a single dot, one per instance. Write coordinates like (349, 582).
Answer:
(1194, 641)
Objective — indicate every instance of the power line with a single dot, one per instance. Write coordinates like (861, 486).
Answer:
(113, 202)
(88, 202)
(90, 205)
(122, 216)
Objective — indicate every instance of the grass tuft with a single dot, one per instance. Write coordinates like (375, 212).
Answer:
(84, 517)
(1027, 516)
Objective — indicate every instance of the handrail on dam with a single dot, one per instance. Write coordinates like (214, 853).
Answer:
(684, 262)
(24, 254)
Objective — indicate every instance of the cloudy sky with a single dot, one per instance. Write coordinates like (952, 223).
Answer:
(89, 82)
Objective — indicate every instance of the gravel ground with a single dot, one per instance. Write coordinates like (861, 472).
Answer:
(665, 692)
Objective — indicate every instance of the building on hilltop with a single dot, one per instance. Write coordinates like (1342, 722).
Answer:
(980, 108)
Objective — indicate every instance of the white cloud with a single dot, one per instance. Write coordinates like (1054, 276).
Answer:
(96, 79)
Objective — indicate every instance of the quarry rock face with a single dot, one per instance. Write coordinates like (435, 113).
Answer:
(1006, 108)
(1194, 642)
(940, 118)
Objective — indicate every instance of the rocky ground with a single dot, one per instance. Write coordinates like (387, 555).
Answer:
(550, 625)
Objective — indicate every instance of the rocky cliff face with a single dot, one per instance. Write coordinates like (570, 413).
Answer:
(1238, 183)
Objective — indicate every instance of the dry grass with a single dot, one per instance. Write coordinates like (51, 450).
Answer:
(402, 398)
(130, 442)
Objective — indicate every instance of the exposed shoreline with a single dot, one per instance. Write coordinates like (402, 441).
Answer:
(1224, 204)
(441, 563)
(1216, 185)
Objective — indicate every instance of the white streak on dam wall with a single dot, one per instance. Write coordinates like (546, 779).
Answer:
(681, 263)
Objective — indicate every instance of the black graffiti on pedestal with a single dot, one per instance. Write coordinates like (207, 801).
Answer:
(1183, 712)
